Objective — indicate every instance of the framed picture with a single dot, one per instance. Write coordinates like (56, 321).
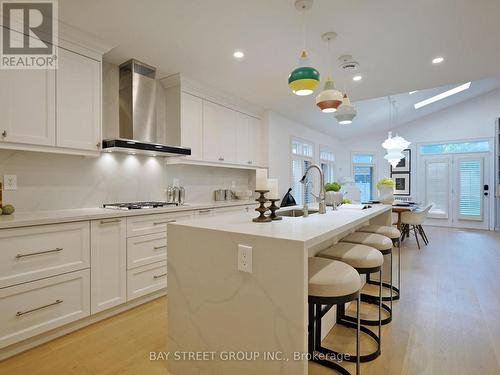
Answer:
(402, 183)
(404, 164)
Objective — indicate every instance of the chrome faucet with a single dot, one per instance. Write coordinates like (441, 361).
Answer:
(321, 197)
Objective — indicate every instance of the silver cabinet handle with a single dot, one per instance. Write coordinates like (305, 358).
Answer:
(250, 162)
(159, 247)
(221, 158)
(204, 211)
(164, 222)
(110, 221)
(56, 250)
(57, 302)
(159, 276)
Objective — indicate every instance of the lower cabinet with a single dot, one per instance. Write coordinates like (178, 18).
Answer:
(108, 262)
(146, 279)
(32, 308)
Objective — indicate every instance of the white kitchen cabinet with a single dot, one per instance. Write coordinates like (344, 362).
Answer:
(219, 133)
(108, 254)
(32, 308)
(192, 125)
(248, 140)
(78, 101)
(31, 253)
(27, 107)
(146, 279)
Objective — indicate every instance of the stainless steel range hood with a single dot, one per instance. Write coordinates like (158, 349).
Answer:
(137, 114)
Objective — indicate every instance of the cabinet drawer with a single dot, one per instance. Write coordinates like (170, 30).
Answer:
(32, 253)
(147, 249)
(146, 279)
(32, 308)
(147, 224)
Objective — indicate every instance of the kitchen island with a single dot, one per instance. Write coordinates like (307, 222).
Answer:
(225, 321)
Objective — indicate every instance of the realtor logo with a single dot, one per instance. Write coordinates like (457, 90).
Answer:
(29, 34)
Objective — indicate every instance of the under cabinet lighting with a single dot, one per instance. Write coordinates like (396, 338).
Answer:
(412, 92)
(357, 78)
(443, 95)
(437, 60)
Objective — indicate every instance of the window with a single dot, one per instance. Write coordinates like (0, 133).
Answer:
(470, 189)
(437, 186)
(455, 148)
(327, 161)
(363, 168)
(302, 158)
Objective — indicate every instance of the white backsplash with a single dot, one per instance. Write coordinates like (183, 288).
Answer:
(51, 181)
(200, 182)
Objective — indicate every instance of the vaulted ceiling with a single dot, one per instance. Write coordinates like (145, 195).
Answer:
(393, 40)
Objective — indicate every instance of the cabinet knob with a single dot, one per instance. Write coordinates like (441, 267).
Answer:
(221, 158)
(4, 133)
(98, 144)
(250, 162)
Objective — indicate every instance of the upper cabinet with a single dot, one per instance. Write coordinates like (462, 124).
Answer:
(248, 140)
(27, 105)
(192, 124)
(78, 101)
(54, 110)
(219, 133)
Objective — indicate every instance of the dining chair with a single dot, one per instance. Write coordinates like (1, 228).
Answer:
(414, 220)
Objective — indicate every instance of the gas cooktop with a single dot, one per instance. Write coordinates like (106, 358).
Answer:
(138, 205)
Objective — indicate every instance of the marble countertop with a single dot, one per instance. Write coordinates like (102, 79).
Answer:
(310, 230)
(23, 219)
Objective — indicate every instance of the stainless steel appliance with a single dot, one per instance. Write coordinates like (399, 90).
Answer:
(137, 113)
(138, 205)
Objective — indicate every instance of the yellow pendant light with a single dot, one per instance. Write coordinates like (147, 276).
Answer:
(303, 79)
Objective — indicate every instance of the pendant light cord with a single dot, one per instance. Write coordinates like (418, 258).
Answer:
(303, 29)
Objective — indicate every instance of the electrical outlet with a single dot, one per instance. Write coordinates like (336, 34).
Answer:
(10, 182)
(245, 258)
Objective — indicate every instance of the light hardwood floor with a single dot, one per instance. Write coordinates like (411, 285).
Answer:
(446, 323)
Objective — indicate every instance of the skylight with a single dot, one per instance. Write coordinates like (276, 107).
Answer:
(443, 95)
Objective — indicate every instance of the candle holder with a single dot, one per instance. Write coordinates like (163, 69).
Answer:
(262, 208)
(273, 209)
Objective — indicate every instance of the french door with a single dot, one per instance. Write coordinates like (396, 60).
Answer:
(455, 186)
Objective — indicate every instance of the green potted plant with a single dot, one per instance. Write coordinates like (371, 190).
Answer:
(385, 187)
(333, 194)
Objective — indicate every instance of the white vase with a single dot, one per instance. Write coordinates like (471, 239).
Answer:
(332, 197)
(386, 195)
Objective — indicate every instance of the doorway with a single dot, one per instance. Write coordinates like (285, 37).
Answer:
(456, 185)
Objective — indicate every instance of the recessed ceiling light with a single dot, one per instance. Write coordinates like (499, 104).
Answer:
(443, 95)
(357, 78)
(238, 54)
(437, 60)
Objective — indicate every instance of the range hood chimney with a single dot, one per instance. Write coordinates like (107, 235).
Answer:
(137, 114)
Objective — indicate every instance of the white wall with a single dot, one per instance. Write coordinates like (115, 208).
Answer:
(279, 131)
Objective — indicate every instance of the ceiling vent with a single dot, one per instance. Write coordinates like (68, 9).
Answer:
(347, 63)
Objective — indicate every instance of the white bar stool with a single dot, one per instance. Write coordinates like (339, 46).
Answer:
(330, 283)
(395, 235)
(365, 260)
(384, 245)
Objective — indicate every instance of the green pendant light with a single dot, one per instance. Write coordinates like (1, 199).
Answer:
(303, 79)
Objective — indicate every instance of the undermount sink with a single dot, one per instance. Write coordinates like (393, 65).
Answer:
(297, 212)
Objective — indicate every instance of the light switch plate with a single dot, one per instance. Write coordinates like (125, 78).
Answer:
(245, 258)
(9, 182)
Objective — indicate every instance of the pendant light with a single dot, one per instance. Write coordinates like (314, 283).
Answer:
(394, 145)
(345, 112)
(303, 79)
(330, 98)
